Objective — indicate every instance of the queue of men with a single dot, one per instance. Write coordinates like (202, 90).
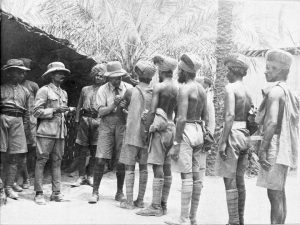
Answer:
(163, 125)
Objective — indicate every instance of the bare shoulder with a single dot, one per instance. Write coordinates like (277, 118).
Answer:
(184, 90)
(276, 93)
(230, 88)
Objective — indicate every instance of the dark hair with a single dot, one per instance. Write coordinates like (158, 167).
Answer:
(189, 75)
(238, 71)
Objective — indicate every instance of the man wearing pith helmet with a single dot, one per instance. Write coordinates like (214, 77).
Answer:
(111, 128)
(50, 108)
(14, 118)
(88, 123)
(279, 116)
(232, 160)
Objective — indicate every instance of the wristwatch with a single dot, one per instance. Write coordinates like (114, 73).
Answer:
(175, 143)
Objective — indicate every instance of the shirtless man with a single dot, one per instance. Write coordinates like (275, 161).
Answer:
(279, 117)
(232, 159)
(162, 133)
(187, 153)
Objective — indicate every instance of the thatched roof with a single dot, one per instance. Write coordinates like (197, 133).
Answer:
(21, 40)
(262, 52)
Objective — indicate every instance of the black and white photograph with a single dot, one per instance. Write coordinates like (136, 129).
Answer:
(178, 112)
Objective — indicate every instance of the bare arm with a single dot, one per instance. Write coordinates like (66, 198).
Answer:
(271, 117)
(204, 115)
(154, 104)
(183, 102)
(79, 106)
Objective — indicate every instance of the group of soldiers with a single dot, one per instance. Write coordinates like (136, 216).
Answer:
(159, 124)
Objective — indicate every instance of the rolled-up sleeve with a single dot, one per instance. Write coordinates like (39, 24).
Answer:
(40, 110)
(101, 100)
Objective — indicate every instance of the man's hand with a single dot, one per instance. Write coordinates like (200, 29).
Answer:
(117, 100)
(263, 160)
(123, 103)
(61, 109)
(174, 152)
(221, 150)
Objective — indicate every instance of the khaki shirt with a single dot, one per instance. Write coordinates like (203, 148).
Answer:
(51, 125)
(87, 99)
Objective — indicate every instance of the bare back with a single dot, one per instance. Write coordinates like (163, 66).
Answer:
(242, 101)
(167, 94)
(197, 101)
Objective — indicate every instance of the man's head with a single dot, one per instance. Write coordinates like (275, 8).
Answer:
(97, 74)
(236, 67)
(166, 66)
(187, 68)
(57, 72)
(145, 70)
(15, 70)
(278, 63)
(28, 63)
(205, 82)
(114, 72)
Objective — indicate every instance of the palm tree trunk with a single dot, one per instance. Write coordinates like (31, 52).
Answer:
(223, 48)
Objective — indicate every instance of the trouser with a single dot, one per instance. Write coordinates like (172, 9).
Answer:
(45, 148)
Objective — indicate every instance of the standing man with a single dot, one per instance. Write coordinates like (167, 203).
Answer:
(88, 123)
(50, 108)
(111, 128)
(14, 118)
(232, 160)
(279, 116)
(135, 148)
(162, 132)
(187, 153)
(23, 175)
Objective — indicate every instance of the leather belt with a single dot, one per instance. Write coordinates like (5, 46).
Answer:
(91, 114)
(13, 114)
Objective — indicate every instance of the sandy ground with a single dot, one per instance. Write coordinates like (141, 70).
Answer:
(212, 208)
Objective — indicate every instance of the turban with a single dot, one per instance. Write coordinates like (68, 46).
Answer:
(147, 68)
(189, 63)
(97, 69)
(236, 60)
(283, 58)
(165, 63)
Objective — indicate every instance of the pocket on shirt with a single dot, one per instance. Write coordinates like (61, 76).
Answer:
(48, 127)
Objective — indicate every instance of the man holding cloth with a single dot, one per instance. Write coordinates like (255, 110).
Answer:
(135, 147)
(111, 128)
(279, 116)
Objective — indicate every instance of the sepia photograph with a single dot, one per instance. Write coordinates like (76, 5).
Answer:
(178, 112)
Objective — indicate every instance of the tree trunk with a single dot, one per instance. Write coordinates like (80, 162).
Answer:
(223, 48)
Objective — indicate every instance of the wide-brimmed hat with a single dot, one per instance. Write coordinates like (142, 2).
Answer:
(236, 60)
(14, 63)
(55, 66)
(114, 69)
(101, 67)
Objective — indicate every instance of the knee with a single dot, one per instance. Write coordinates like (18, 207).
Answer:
(158, 171)
(196, 176)
(100, 162)
(240, 182)
(167, 170)
(129, 168)
(12, 159)
(120, 168)
(230, 183)
(186, 176)
(143, 167)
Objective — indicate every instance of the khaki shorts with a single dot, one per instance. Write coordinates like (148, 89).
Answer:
(12, 135)
(191, 157)
(275, 178)
(130, 155)
(88, 131)
(110, 139)
(160, 145)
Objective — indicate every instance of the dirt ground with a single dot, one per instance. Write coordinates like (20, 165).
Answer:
(212, 208)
